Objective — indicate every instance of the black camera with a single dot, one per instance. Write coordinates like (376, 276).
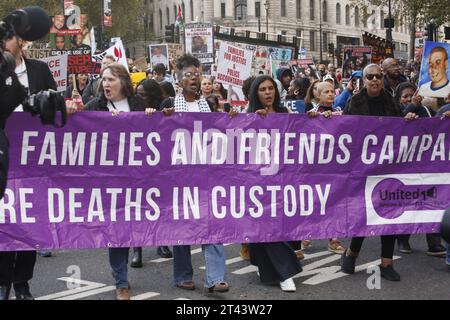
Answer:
(46, 104)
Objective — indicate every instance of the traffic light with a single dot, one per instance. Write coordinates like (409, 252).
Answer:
(447, 33)
(429, 32)
(331, 48)
(170, 33)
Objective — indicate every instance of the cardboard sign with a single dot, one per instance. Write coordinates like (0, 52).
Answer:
(38, 54)
(435, 70)
(234, 65)
(58, 67)
(200, 41)
(137, 77)
(82, 64)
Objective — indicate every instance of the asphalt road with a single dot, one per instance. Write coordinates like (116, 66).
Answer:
(423, 277)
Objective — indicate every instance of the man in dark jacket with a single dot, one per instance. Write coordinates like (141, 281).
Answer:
(16, 268)
(392, 75)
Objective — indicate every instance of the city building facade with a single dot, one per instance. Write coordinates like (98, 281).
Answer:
(342, 23)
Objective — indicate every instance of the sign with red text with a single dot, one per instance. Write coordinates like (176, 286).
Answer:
(58, 67)
(234, 64)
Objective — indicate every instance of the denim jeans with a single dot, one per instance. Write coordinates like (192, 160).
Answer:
(214, 255)
(118, 259)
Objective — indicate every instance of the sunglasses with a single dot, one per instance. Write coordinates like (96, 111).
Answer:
(191, 74)
(371, 76)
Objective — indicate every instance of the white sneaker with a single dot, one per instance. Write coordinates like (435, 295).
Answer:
(288, 285)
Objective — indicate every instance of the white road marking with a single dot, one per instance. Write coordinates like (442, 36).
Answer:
(88, 286)
(228, 262)
(89, 293)
(145, 296)
(195, 251)
(331, 273)
(251, 268)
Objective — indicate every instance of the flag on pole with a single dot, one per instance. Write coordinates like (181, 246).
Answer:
(93, 42)
(180, 20)
(117, 51)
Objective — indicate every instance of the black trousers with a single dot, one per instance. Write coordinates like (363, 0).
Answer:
(433, 239)
(276, 261)
(387, 245)
(16, 267)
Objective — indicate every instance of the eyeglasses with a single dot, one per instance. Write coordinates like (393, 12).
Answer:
(191, 74)
(371, 76)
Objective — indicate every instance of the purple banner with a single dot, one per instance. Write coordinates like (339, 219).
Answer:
(133, 180)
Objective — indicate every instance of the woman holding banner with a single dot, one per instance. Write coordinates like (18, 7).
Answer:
(276, 262)
(118, 96)
(189, 101)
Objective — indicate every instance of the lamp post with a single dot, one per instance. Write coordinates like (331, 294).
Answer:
(266, 5)
(389, 29)
(258, 15)
(320, 31)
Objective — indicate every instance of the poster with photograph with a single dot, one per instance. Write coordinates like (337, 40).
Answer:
(355, 58)
(434, 78)
(381, 48)
(304, 68)
(159, 54)
(200, 41)
(107, 13)
(66, 33)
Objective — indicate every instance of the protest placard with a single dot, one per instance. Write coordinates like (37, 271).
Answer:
(199, 39)
(234, 65)
(355, 58)
(58, 68)
(435, 70)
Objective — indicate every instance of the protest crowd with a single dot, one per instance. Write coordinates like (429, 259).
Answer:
(385, 89)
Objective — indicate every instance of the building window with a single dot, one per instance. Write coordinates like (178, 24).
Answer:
(223, 10)
(325, 41)
(299, 9)
(356, 16)
(283, 8)
(183, 8)
(160, 19)
(312, 40)
(347, 15)
(311, 10)
(168, 15)
(258, 9)
(381, 19)
(240, 10)
(325, 11)
(175, 12)
(338, 13)
(191, 4)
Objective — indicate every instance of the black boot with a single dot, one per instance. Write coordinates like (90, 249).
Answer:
(136, 262)
(4, 292)
(164, 252)
(22, 291)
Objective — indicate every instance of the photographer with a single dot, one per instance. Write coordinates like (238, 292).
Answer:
(16, 268)
(33, 74)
